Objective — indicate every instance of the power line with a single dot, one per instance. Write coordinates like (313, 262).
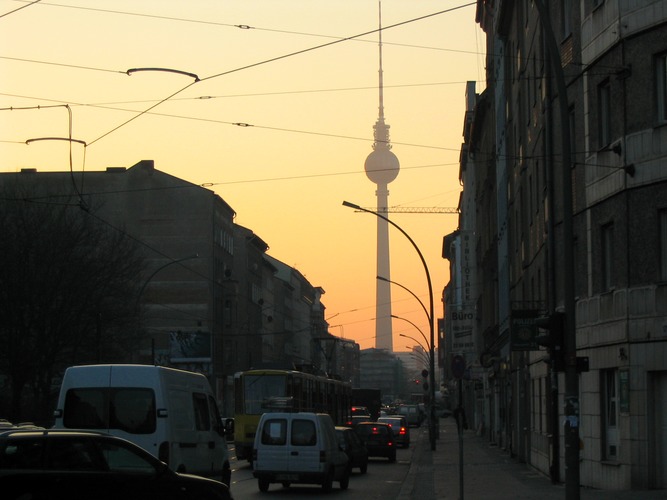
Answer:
(271, 60)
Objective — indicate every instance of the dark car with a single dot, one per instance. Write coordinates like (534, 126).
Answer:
(66, 464)
(400, 427)
(358, 414)
(354, 447)
(378, 438)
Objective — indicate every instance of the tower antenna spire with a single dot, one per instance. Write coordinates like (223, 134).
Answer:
(382, 167)
(381, 82)
(381, 129)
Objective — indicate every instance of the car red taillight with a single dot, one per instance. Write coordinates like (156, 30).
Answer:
(402, 431)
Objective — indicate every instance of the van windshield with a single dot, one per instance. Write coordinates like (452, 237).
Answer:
(128, 409)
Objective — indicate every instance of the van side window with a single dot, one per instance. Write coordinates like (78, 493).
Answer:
(274, 431)
(202, 421)
(214, 415)
(303, 433)
(86, 409)
(132, 410)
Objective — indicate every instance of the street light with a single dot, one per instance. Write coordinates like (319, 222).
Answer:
(418, 329)
(148, 280)
(414, 340)
(417, 354)
(143, 287)
(428, 316)
(431, 426)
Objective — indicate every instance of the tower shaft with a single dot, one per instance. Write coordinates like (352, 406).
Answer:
(383, 326)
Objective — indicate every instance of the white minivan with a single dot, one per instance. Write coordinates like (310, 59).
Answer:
(170, 413)
(298, 448)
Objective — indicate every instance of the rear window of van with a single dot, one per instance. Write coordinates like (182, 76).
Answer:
(303, 433)
(129, 409)
(274, 432)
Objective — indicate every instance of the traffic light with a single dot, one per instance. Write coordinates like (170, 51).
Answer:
(553, 338)
(425, 377)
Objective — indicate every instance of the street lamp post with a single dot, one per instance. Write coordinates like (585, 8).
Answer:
(416, 327)
(148, 280)
(431, 426)
(414, 340)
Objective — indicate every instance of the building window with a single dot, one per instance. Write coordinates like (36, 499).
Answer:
(609, 413)
(607, 256)
(566, 13)
(661, 86)
(604, 114)
(662, 220)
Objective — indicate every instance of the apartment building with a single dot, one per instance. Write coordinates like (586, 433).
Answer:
(211, 299)
(574, 108)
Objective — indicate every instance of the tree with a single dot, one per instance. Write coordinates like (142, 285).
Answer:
(68, 288)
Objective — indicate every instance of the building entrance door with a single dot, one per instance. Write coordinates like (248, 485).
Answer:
(658, 428)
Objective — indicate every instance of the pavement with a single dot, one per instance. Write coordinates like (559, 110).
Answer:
(488, 472)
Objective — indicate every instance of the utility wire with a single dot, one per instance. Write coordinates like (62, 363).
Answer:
(267, 61)
(20, 8)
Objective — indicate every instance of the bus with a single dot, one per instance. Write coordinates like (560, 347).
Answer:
(266, 390)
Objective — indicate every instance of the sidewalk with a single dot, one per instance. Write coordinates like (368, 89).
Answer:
(488, 473)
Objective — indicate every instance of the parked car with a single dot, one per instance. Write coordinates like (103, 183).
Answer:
(298, 448)
(80, 465)
(354, 448)
(399, 425)
(378, 438)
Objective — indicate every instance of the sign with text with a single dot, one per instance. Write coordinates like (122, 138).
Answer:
(461, 321)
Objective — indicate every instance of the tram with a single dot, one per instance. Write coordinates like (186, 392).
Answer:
(267, 390)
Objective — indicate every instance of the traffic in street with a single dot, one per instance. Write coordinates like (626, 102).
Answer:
(383, 479)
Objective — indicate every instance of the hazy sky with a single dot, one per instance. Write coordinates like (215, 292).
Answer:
(309, 96)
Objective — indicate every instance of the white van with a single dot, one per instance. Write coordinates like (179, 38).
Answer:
(298, 448)
(170, 413)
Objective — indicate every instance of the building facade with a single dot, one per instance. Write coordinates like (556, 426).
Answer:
(611, 56)
(211, 299)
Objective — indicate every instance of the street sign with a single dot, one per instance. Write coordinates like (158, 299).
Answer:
(458, 366)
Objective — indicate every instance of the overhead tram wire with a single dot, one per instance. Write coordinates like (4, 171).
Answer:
(337, 41)
(246, 26)
(273, 59)
(239, 124)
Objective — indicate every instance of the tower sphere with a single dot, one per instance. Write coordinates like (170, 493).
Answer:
(381, 166)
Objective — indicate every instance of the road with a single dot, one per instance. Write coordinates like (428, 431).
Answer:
(382, 481)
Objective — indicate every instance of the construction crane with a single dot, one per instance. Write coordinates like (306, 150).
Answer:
(414, 210)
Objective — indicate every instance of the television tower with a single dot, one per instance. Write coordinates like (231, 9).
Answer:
(381, 168)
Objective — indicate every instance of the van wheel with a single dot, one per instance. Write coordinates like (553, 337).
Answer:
(263, 485)
(345, 480)
(328, 481)
(227, 475)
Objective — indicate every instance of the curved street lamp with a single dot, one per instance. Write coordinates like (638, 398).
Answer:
(148, 280)
(418, 329)
(414, 340)
(431, 424)
(428, 316)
